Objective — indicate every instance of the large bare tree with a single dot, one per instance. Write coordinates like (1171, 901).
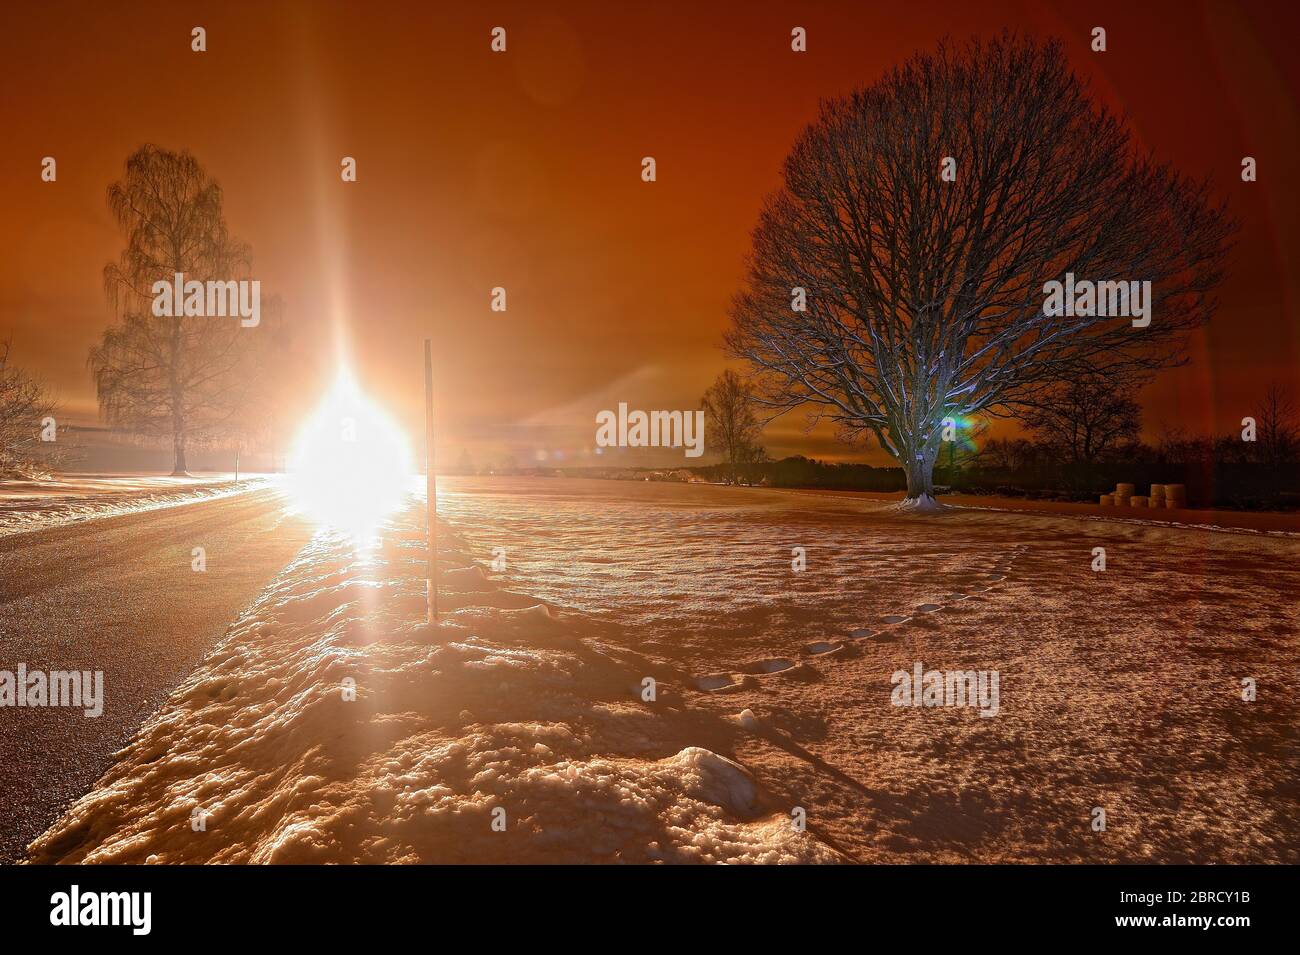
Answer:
(731, 426)
(187, 378)
(925, 278)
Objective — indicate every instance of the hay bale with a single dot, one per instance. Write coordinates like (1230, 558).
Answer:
(1175, 495)
(1138, 500)
(1108, 500)
(1125, 490)
(1157, 495)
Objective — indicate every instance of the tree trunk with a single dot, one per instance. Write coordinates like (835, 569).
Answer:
(918, 466)
(178, 449)
(178, 397)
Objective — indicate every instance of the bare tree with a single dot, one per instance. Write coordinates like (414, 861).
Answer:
(1086, 418)
(1008, 453)
(749, 469)
(925, 292)
(190, 379)
(1277, 424)
(26, 414)
(731, 427)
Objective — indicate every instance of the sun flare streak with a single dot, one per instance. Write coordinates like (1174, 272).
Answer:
(350, 466)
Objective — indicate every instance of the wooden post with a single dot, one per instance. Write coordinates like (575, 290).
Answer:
(236, 465)
(430, 484)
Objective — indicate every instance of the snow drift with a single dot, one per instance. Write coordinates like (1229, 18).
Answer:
(39, 505)
(333, 725)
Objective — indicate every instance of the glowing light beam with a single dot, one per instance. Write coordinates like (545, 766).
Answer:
(350, 466)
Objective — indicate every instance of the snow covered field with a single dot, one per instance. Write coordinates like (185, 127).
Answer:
(35, 505)
(1119, 689)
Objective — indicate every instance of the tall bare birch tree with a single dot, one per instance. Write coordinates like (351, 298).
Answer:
(192, 379)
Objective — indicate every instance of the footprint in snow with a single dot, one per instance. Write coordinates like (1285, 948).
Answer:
(773, 665)
(823, 647)
(714, 682)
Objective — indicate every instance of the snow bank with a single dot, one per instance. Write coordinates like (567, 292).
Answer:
(925, 504)
(37, 505)
(334, 725)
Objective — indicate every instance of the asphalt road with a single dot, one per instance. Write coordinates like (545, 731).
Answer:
(119, 595)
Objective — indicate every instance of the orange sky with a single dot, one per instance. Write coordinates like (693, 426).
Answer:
(523, 170)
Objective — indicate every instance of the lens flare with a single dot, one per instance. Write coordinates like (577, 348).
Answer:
(350, 466)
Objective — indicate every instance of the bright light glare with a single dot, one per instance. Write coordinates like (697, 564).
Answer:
(350, 465)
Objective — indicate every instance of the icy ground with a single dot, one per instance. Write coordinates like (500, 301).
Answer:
(1120, 689)
(507, 713)
(37, 505)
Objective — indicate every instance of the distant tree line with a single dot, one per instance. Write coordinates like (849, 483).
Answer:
(1078, 450)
